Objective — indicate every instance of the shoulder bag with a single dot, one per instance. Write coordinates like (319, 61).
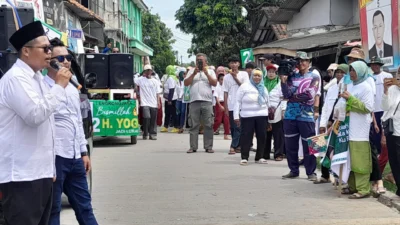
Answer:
(388, 126)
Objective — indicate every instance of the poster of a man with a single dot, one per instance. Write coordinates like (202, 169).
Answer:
(380, 48)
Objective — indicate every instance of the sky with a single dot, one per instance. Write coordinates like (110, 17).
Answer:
(166, 9)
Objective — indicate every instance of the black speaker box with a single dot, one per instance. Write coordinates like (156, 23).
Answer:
(7, 60)
(121, 71)
(7, 25)
(98, 64)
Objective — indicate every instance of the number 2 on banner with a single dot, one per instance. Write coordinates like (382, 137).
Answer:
(247, 55)
(96, 123)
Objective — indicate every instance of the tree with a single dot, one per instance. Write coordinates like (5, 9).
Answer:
(219, 27)
(159, 37)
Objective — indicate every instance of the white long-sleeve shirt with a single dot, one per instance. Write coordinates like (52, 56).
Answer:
(247, 102)
(70, 139)
(330, 99)
(275, 100)
(27, 128)
(389, 104)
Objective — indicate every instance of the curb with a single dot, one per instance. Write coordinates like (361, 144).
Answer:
(391, 200)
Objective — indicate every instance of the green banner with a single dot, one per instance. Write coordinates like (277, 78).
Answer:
(115, 118)
(246, 55)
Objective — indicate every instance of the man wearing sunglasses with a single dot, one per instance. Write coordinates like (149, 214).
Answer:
(27, 129)
(72, 161)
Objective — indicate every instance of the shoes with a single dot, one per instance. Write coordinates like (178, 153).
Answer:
(209, 151)
(243, 162)
(290, 175)
(153, 138)
(175, 130)
(164, 130)
(312, 177)
(144, 137)
(191, 151)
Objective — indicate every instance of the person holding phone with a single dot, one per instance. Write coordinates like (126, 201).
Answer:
(390, 105)
(200, 80)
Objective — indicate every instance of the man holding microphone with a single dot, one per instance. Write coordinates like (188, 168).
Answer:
(27, 129)
(72, 160)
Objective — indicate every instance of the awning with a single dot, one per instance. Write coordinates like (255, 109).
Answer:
(82, 11)
(140, 48)
(289, 46)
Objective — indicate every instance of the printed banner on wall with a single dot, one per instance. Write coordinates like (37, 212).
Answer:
(379, 31)
(37, 6)
(49, 7)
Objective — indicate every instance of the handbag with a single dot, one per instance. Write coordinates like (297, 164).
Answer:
(388, 126)
(271, 112)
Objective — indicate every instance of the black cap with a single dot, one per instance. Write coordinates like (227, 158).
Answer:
(234, 58)
(26, 34)
(267, 56)
(250, 65)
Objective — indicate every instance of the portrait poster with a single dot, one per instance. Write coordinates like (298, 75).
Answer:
(379, 31)
(37, 6)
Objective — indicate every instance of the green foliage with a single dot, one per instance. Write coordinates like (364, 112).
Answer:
(160, 38)
(219, 27)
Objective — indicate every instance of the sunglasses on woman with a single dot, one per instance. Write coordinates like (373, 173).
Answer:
(61, 58)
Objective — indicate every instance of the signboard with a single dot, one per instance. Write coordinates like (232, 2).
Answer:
(115, 118)
(379, 31)
(246, 55)
(48, 8)
(75, 33)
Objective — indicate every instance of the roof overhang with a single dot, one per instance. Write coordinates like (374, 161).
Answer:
(140, 48)
(285, 11)
(141, 4)
(82, 12)
(289, 46)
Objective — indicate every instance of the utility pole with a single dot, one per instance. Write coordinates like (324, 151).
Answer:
(181, 60)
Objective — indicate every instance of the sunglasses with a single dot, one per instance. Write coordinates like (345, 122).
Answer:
(46, 49)
(62, 58)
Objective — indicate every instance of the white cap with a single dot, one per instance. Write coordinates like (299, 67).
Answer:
(333, 66)
(147, 67)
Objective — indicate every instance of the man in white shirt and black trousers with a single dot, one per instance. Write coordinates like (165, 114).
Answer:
(27, 129)
(72, 160)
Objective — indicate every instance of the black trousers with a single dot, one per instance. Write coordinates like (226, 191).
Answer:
(28, 202)
(170, 114)
(248, 127)
(393, 144)
(279, 140)
(376, 173)
(149, 121)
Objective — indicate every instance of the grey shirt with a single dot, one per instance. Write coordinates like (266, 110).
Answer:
(200, 89)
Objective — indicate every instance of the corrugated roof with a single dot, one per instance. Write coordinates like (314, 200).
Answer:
(82, 11)
(315, 40)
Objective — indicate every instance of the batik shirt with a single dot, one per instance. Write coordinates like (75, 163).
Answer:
(300, 90)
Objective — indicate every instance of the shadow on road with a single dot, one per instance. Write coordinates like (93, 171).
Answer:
(106, 142)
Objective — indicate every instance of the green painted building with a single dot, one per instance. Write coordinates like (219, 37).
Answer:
(124, 28)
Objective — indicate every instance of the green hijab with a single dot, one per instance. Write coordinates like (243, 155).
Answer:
(271, 84)
(361, 69)
(171, 72)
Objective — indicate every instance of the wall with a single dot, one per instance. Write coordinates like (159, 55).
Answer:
(111, 15)
(340, 13)
(310, 15)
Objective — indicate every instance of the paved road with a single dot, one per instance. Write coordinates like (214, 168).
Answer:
(156, 182)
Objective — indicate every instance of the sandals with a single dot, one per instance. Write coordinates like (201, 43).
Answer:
(279, 158)
(191, 151)
(347, 191)
(232, 151)
(322, 181)
(358, 196)
(262, 161)
(243, 162)
(210, 151)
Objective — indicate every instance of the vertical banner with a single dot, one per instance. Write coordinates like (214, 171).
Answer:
(48, 8)
(246, 55)
(379, 31)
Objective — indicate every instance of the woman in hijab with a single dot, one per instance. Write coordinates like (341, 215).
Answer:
(275, 111)
(251, 112)
(180, 105)
(360, 104)
(170, 97)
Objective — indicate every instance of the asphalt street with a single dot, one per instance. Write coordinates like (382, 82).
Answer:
(156, 182)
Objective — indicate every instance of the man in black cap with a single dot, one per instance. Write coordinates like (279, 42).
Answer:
(27, 129)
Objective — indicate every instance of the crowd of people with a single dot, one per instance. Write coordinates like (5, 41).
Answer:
(287, 101)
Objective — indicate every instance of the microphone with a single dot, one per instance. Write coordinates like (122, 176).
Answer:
(55, 65)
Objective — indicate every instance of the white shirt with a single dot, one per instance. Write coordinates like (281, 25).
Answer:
(330, 99)
(230, 86)
(200, 89)
(179, 90)
(70, 139)
(170, 83)
(149, 89)
(359, 124)
(275, 100)
(379, 81)
(219, 93)
(27, 125)
(247, 102)
(389, 104)
(214, 102)
(371, 83)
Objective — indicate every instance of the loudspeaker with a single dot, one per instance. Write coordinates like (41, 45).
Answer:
(7, 60)
(121, 71)
(7, 25)
(98, 64)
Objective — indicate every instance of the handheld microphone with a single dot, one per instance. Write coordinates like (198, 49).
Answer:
(55, 65)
